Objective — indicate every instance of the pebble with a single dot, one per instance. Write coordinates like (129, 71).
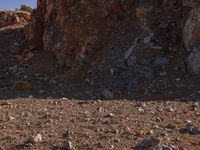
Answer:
(142, 104)
(195, 106)
(101, 109)
(37, 138)
(11, 118)
(110, 115)
(140, 109)
(30, 97)
(171, 109)
(69, 145)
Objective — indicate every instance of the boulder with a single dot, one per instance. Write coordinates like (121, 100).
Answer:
(191, 38)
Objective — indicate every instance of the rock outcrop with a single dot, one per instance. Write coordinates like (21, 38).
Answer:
(162, 18)
(8, 18)
(70, 29)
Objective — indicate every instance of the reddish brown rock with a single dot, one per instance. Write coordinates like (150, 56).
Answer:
(22, 85)
(70, 28)
(15, 49)
(66, 27)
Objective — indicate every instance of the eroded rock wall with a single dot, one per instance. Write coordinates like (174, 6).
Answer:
(68, 27)
(71, 28)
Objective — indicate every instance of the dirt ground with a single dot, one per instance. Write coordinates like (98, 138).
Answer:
(95, 124)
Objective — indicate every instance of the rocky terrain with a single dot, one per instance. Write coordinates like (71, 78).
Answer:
(101, 75)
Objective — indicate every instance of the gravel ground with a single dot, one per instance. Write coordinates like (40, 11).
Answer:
(96, 124)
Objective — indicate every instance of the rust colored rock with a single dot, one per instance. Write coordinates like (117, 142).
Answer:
(67, 27)
(22, 85)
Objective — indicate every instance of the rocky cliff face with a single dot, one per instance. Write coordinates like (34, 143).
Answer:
(70, 29)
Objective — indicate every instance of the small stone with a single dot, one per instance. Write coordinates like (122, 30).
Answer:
(163, 147)
(114, 131)
(141, 133)
(110, 115)
(11, 118)
(37, 138)
(148, 143)
(69, 145)
(100, 110)
(171, 109)
(107, 94)
(171, 126)
(151, 132)
(30, 97)
(195, 106)
(140, 109)
(142, 104)
(127, 129)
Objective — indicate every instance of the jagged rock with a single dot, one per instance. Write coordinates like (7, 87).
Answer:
(57, 26)
(13, 18)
